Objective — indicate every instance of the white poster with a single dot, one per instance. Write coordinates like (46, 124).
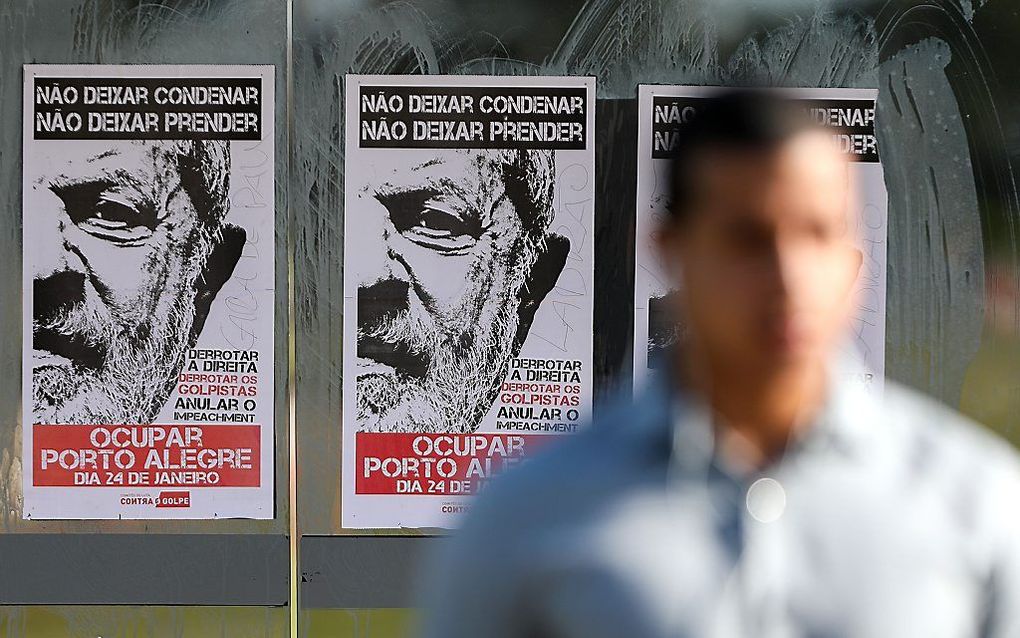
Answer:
(850, 113)
(468, 270)
(148, 292)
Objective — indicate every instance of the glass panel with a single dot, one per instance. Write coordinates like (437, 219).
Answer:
(135, 32)
(948, 136)
(128, 32)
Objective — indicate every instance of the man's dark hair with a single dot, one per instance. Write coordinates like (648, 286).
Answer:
(739, 120)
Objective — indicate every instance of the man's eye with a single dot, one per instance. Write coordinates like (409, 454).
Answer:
(108, 214)
(428, 220)
(440, 223)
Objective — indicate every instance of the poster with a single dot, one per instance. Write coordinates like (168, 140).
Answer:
(850, 113)
(468, 270)
(148, 292)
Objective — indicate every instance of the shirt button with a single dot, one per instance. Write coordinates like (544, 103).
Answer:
(766, 500)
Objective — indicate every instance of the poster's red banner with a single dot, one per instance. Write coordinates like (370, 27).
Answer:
(173, 499)
(146, 456)
(437, 464)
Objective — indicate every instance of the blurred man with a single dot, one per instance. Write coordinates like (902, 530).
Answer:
(465, 259)
(747, 493)
(129, 251)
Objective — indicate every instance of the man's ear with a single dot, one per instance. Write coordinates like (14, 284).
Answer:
(218, 269)
(544, 275)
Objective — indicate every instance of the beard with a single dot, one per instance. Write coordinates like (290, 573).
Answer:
(134, 369)
(460, 383)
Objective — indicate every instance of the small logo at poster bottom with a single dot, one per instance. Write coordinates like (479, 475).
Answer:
(173, 499)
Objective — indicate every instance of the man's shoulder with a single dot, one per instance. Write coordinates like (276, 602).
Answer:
(624, 447)
(941, 442)
(926, 417)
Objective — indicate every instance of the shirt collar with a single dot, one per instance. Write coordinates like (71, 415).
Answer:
(842, 426)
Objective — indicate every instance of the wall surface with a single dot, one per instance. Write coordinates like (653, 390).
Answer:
(949, 120)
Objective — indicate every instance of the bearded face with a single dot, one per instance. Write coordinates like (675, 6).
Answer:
(447, 302)
(122, 243)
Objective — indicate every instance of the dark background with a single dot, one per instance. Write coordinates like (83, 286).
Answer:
(949, 119)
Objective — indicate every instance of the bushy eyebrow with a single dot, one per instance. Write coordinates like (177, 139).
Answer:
(443, 185)
(106, 176)
(471, 207)
(110, 152)
(435, 161)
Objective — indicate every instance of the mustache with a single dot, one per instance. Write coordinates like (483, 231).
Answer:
(74, 347)
(65, 323)
(451, 398)
(387, 334)
(462, 382)
(398, 342)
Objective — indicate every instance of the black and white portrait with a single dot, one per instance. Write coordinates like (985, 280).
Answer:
(462, 255)
(130, 249)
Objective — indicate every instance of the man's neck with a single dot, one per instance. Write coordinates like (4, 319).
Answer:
(757, 412)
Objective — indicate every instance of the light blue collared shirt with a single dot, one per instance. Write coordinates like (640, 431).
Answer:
(889, 517)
